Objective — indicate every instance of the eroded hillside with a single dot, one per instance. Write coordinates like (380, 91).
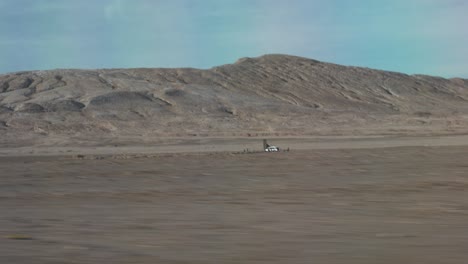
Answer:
(270, 95)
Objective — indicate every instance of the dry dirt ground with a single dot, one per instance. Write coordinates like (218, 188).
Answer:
(355, 205)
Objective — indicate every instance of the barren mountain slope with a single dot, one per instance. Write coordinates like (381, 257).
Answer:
(270, 95)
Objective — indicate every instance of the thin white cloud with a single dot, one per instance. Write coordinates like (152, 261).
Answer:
(284, 28)
(114, 9)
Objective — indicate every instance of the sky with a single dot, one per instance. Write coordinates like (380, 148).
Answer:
(409, 36)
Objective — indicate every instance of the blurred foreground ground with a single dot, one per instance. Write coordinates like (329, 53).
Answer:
(386, 205)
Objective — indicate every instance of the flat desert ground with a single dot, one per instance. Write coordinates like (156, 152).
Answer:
(375, 200)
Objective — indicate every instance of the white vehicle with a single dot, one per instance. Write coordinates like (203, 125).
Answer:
(272, 149)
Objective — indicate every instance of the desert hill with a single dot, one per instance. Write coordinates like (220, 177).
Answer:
(275, 95)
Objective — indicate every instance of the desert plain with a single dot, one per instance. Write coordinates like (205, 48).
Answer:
(167, 166)
(355, 204)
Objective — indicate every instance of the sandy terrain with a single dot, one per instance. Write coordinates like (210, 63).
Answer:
(351, 205)
(151, 165)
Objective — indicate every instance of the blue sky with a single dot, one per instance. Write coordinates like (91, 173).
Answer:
(411, 36)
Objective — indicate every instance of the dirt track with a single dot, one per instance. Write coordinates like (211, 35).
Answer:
(388, 205)
(132, 147)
